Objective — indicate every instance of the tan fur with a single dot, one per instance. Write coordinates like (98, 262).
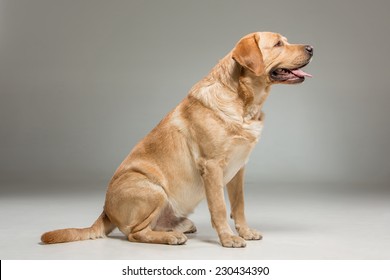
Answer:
(197, 149)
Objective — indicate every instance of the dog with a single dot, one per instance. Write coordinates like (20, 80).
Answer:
(199, 148)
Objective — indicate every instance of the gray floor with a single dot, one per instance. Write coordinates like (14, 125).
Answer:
(297, 223)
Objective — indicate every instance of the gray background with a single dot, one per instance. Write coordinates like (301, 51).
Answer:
(81, 82)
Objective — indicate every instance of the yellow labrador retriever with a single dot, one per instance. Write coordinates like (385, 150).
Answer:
(197, 149)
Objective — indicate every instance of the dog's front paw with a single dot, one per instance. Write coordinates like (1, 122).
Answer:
(232, 241)
(249, 234)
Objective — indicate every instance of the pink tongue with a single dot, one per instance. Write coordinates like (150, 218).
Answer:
(300, 73)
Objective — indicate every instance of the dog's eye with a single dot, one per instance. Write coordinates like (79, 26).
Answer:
(278, 44)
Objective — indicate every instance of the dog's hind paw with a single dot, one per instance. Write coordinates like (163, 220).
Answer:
(177, 238)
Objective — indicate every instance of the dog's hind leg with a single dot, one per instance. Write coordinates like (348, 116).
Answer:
(135, 206)
(168, 221)
(148, 235)
(186, 226)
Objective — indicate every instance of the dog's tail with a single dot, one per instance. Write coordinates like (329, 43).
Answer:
(99, 229)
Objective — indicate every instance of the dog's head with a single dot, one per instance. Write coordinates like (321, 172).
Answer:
(269, 55)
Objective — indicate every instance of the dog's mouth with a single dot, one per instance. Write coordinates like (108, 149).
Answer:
(289, 76)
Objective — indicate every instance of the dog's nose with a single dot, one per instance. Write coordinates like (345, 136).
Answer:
(309, 49)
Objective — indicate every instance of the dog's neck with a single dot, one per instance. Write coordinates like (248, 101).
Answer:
(243, 86)
(253, 92)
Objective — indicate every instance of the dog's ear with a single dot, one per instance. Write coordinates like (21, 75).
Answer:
(247, 53)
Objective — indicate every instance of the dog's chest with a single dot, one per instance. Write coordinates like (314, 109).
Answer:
(239, 148)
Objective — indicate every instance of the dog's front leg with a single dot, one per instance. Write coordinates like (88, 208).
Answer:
(212, 174)
(236, 196)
